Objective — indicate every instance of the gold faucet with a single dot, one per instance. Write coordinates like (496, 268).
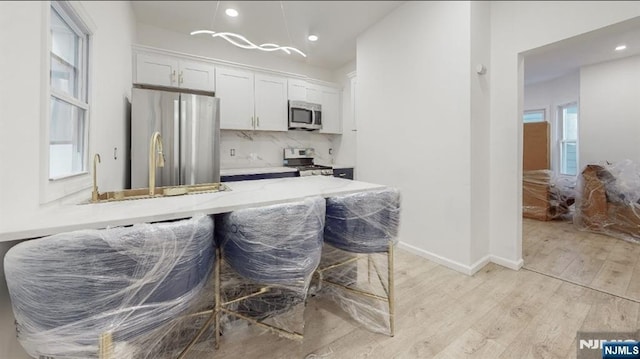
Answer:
(155, 148)
(95, 193)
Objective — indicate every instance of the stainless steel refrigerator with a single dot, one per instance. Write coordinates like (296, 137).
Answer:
(190, 129)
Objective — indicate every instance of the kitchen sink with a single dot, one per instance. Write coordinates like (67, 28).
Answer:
(168, 191)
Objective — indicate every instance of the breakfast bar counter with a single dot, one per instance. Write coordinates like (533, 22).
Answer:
(244, 194)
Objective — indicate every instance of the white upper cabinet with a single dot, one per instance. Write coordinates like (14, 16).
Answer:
(314, 94)
(331, 110)
(235, 90)
(196, 75)
(271, 103)
(172, 71)
(154, 69)
(297, 90)
(251, 101)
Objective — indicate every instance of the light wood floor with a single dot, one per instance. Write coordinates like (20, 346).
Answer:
(597, 261)
(496, 313)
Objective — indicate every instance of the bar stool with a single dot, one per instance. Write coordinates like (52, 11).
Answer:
(359, 226)
(107, 293)
(270, 254)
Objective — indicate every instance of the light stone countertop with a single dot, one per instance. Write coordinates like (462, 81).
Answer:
(255, 171)
(243, 194)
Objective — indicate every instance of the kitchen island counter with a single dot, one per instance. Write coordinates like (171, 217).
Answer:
(244, 194)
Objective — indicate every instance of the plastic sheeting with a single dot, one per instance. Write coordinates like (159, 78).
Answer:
(609, 200)
(134, 282)
(361, 226)
(277, 246)
(546, 196)
(363, 222)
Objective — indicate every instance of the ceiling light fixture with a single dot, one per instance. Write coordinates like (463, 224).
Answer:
(231, 12)
(231, 38)
(312, 38)
(621, 47)
(243, 42)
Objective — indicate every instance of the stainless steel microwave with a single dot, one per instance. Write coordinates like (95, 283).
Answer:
(305, 116)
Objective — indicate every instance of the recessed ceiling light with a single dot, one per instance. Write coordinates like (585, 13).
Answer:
(231, 12)
(312, 38)
(621, 47)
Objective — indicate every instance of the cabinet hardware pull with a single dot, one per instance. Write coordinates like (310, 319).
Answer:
(173, 76)
(258, 121)
(180, 78)
(253, 122)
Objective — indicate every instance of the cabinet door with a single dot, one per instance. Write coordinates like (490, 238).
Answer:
(235, 89)
(297, 90)
(153, 69)
(330, 101)
(314, 95)
(196, 75)
(270, 103)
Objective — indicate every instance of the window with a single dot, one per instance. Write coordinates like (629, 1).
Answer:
(568, 118)
(533, 116)
(69, 105)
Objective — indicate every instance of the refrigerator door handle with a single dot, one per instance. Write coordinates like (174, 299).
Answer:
(183, 142)
(176, 142)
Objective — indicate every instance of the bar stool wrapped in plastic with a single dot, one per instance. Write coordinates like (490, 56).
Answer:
(109, 293)
(359, 226)
(269, 256)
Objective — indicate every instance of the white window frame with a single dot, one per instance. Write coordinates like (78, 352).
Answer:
(75, 15)
(541, 110)
(562, 141)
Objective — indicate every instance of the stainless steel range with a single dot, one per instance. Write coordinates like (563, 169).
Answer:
(302, 159)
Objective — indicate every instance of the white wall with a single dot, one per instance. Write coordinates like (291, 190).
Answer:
(609, 116)
(413, 109)
(516, 27)
(23, 33)
(153, 36)
(548, 95)
(480, 139)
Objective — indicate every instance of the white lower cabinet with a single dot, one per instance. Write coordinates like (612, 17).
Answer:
(251, 101)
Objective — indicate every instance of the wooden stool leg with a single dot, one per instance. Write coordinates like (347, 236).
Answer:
(391, 290)
(105, 347)
(217, 296)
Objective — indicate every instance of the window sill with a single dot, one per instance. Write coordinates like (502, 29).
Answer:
(53, 179)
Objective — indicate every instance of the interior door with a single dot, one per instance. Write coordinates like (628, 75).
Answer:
(199, 138)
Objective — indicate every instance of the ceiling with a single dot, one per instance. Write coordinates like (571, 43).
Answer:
(337, 23)
(566, 56)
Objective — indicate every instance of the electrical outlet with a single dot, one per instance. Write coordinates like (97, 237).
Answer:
(233, 152)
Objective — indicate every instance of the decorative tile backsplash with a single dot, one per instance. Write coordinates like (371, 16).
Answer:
(264, 148)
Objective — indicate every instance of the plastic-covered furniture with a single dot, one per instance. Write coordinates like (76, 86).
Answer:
(96, 293)
(269, 256)
(362, 225)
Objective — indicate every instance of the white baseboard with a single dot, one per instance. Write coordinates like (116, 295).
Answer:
(479, 264)
(468, 270)
(436, 258)
(507, 262)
